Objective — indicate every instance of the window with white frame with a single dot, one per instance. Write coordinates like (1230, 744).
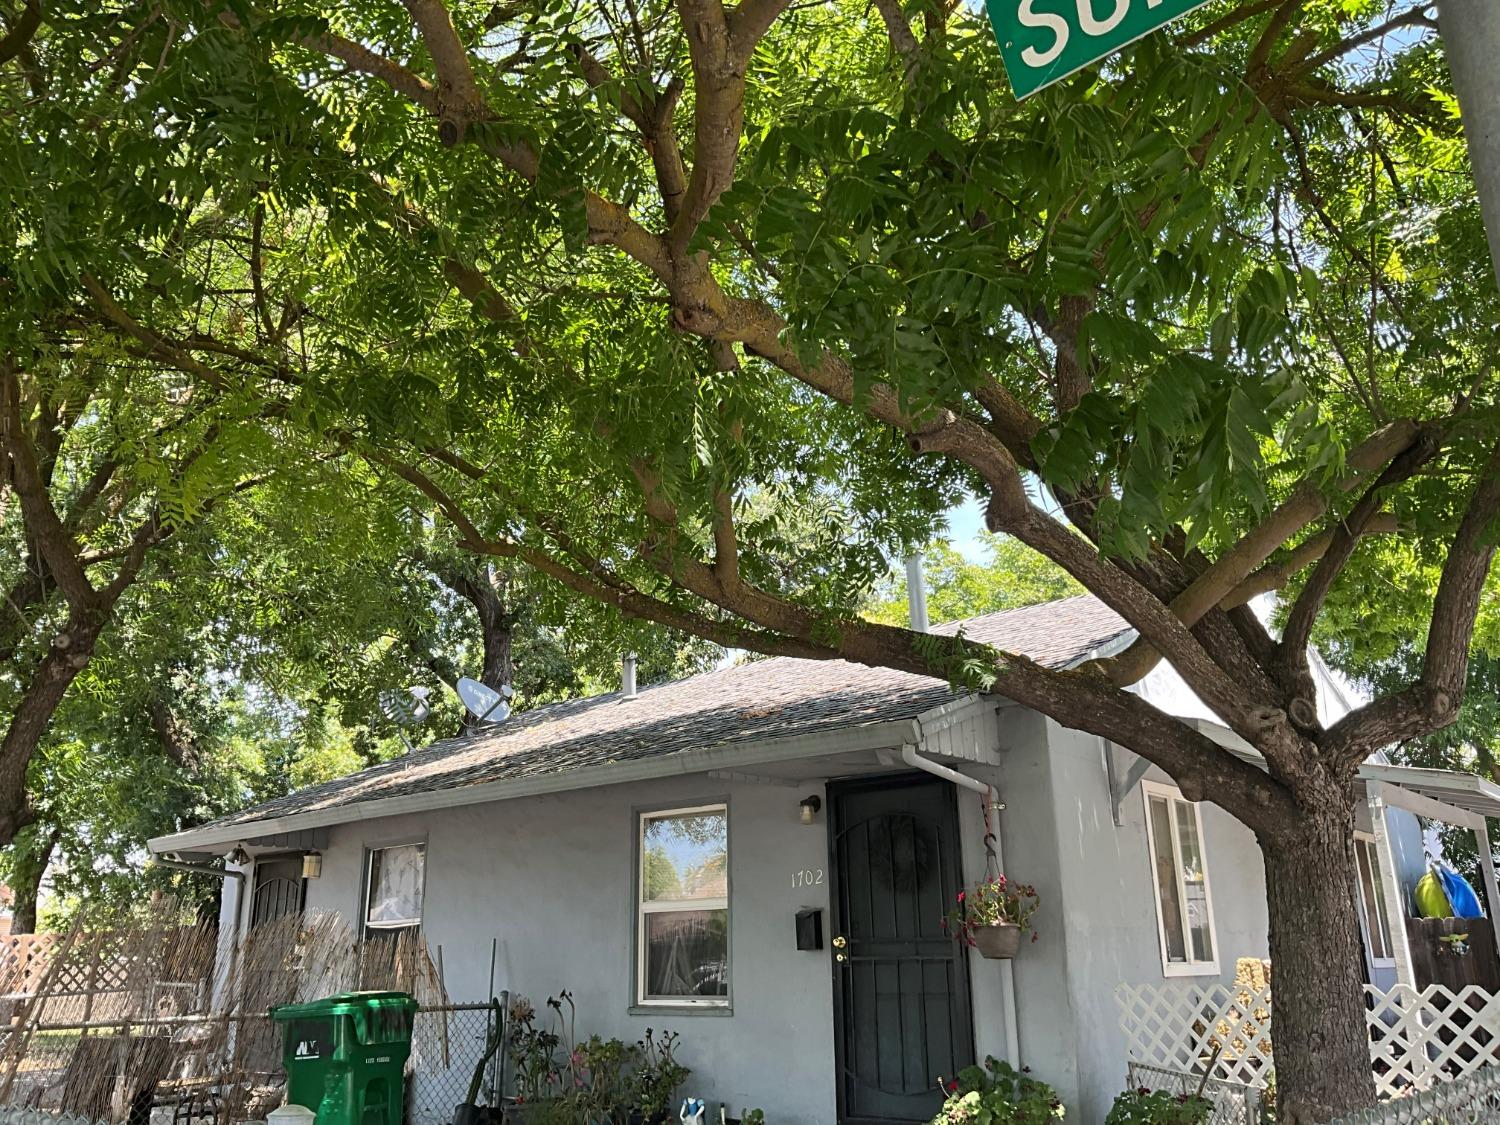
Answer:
(394, 880)
(682, 904)
(1184, 906)
(1372, 910)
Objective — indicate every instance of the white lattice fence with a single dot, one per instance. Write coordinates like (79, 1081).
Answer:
(1420, 1038)
(1417, 1038)
(1179, 1027)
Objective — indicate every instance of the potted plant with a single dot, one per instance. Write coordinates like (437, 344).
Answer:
(991, 916)
(996, 1092)
(532, 1050)
(601, 1079)
(1144, 1106)
(656, 1078)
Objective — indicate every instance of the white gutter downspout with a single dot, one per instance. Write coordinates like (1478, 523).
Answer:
(910, 756)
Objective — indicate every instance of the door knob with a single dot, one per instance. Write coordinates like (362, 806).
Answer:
(840, 942)
(840, 958)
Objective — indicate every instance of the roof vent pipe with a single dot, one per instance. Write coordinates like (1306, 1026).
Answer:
(627, 677)
(916, 593)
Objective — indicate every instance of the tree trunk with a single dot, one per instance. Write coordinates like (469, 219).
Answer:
(1317, 982)
(496, 625)
(478, 586)
(27, 871)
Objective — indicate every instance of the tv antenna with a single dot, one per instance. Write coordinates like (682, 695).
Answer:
(406, 709)
(485, 703)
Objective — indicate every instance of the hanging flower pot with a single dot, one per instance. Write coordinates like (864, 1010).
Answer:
(991, 916)
(999, 940)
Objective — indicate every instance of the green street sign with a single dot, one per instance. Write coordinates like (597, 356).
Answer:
(1042, 41)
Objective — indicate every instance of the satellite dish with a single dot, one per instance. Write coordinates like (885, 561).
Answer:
(484, 702)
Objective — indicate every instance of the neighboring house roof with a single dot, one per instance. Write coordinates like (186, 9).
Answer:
(748, 702)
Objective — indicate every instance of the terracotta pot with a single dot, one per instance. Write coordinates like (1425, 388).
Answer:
(1000, 941)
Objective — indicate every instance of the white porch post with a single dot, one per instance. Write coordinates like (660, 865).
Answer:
(1395, 902)
(1487, 865)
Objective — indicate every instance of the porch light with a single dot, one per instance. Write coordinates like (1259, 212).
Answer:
(312, 865)
(810, 807)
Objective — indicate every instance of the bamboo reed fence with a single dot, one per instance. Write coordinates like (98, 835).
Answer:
(151, 1022)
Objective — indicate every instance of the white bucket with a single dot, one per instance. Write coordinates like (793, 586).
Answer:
(290, 1114)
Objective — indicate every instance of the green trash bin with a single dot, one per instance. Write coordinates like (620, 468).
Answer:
(345, 1056)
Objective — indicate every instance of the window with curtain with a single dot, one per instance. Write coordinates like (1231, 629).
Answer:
(393, 889)
(683, 907)
(1184, 908)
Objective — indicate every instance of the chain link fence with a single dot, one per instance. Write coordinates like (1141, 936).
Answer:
(17, 1115)
(1234, 1103)
(222, 1070)
(1468, 1100)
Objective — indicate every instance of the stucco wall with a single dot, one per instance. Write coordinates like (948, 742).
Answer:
(1111, 937)
(551, 878)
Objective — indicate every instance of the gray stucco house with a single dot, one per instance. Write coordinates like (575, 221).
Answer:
(651, 853)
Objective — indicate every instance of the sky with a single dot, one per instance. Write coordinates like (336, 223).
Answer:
(965, 522)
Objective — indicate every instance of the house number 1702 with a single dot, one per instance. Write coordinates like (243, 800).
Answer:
(807, 877)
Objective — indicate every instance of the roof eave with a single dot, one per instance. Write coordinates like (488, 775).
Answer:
(866, 736)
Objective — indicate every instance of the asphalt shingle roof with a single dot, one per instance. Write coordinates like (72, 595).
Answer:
(744, 703)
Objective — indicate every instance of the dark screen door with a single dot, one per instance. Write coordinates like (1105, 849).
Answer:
(901, 992)
(278, 888)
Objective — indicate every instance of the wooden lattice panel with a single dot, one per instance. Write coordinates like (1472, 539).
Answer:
(23, 961)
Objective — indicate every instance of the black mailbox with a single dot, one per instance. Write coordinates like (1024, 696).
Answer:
(810, 929)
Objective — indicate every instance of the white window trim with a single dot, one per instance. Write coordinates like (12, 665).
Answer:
(1171, 968)
(365, 929)
(1390, 937)
(643, 908)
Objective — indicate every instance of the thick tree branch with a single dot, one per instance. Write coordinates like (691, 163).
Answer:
(1225, 22)
(14, 41)
(1432, 702)
(898, 27)
(362, 60)
(46, 528)
(1231, 570)
(652, 117)
(1072, 377)
(1260, 54)
(1010, 421)
(1413, 17)
(726, 543)
(778, 626)
(1297, 633)
(156, 346)
(174, 735)
(750, 20)
(718, 112)
(595, 580)
(458, 93)
(1276, 574)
